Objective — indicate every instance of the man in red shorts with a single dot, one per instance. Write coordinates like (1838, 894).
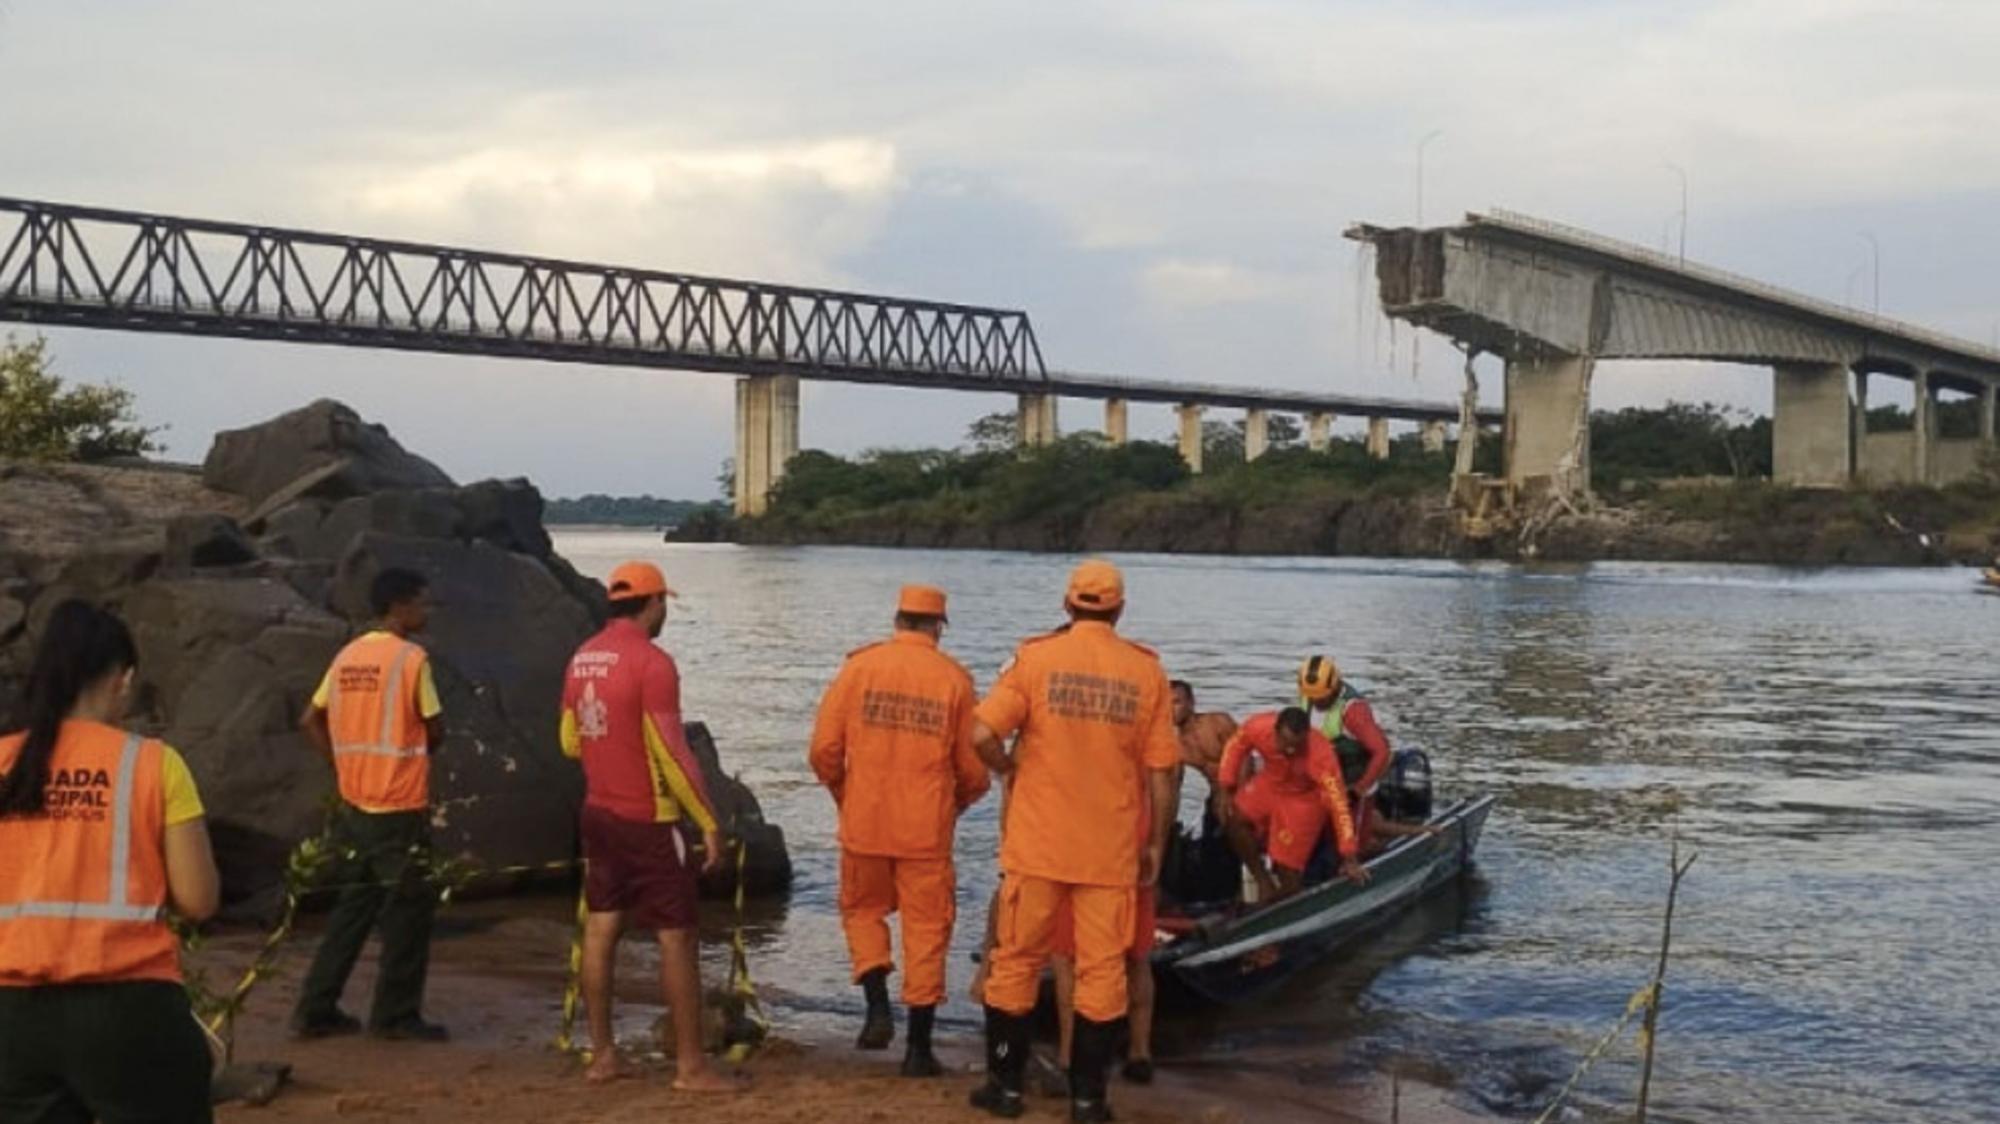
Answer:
(622, 718)
(1282, 809)
(1138, 975)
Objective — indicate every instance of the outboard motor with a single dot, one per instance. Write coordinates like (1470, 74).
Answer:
(1405, 791)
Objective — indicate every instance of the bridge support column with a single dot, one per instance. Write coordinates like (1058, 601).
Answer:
(1038, 420)
(1116, 428)
(1190, 418)
(1256, 434)
(1858, 460)
(1548, 416)
(1811, 425)
(1433, 436)
(1319, 432)
(1989, 400)
(767, 437)
(1378, 438)
(1923, 430)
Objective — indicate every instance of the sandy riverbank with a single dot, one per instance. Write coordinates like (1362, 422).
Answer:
(497, 981)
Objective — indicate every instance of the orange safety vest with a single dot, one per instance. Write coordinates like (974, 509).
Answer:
(83, 884)
(379, 750)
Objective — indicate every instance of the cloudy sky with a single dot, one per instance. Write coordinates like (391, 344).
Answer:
(1162, 185)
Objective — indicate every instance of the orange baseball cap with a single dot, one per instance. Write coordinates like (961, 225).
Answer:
(922, 601)
(638, 579)
(1097, 586)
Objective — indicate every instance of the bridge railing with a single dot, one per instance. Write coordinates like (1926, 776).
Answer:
(117, 269)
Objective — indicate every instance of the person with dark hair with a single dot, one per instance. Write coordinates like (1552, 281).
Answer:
(377, 718)
(621, 718)
(893, 743)
(1090, 775)
(101, 833)
(1282, 810)
(1202, 734)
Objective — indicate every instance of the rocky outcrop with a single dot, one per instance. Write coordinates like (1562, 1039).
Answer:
(324, 449)
(241, 582)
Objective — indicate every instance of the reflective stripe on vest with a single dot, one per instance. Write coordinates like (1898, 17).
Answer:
(114, 906)
(1352, 755)
(384, 744)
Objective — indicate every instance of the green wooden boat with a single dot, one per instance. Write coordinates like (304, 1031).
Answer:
(1231, 957)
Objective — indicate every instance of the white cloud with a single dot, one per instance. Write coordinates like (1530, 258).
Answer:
(1179, 283)
(1162, 183)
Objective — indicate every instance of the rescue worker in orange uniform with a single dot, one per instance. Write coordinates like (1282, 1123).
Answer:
(1282, 810)
(893, 744)
(1095, 720)
(622, 719)
(101, 831)
(1138, 1067)
(377, 717)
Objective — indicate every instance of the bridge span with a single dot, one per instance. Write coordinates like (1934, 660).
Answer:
(133, 271)
(1553, 301)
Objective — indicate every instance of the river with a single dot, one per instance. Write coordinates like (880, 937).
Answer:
(1826, 740)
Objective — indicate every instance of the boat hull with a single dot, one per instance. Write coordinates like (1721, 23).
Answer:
(1248, 956)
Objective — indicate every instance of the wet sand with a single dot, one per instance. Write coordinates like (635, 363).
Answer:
(497, 981)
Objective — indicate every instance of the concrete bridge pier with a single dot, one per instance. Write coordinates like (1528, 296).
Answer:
(1378, 438)
(1433, 436)
(1190, 436)
(1548, 405)
(1256, 433)
(1923, 434)
(1811, 426)
(1319, 432)
(1117, 428)
(1037, 413)
(767, 437)
(1989, 401)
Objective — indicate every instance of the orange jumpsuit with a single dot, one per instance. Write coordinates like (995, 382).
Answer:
(1094, 714)
(893, 743)
(1290, 798)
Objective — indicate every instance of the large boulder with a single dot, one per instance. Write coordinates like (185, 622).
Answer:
(241, 582)
(326, 441)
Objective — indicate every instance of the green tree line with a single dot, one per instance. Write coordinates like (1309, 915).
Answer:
(988, 480)
(625, 511)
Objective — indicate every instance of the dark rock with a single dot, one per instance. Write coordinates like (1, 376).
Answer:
(767, 866)
(262, 460)
(13, 616)
(427, 514)
(508, 514)
(291, 530)
(114, 563)
(234, 634)
(200, 541)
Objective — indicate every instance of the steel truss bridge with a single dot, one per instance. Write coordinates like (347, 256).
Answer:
(94, 267)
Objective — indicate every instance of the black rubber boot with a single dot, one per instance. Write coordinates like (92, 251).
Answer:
(1089, 1065)
(918, 1061)
(1006, 1064)
(878, 1029)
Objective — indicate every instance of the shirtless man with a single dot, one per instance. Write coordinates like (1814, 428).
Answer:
(1202, 735)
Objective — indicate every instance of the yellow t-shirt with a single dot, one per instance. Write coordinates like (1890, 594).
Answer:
(428, 705)
(183, 801)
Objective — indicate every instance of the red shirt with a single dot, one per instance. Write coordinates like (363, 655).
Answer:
(1315, 771)
(622, 717)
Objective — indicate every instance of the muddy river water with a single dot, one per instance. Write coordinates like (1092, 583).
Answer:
(1827, 740)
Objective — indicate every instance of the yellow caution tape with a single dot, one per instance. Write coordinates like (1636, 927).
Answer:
(1641, 999)
(739, 969)
(573, 987)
